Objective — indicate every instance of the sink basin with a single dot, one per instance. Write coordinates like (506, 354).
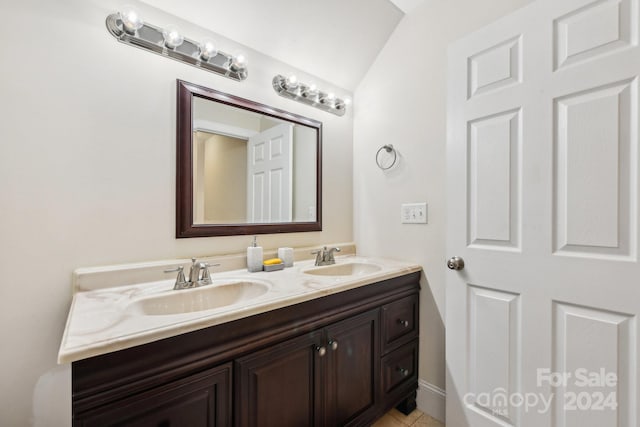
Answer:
(217, 295)
(346, 269)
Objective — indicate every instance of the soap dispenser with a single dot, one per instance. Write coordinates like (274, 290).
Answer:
(254, 257)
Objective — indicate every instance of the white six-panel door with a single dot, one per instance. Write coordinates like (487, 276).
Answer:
(269, 171)
(542, 188)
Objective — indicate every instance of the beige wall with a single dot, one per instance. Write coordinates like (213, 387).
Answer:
(87, 175)
(402, 100)
(225, 165)
(212, 111)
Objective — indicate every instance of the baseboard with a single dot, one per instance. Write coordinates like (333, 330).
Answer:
(431, 400)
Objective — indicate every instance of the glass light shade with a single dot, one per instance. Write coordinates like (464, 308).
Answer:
(172, 37)
(131, 19)
(310, 91)
(238, 62)
(208, 49)
(328, 99)
(291, 82)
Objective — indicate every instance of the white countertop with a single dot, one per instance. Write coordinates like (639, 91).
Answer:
(105, 320)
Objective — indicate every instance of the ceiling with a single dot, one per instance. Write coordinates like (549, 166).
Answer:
(336, 40)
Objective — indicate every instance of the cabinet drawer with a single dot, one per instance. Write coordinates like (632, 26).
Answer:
(400, 367)
(399, 322)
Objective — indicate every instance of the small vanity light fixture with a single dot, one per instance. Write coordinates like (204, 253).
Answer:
(128, 27)
(290, 87)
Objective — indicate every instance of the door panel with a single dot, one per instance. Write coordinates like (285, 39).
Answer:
(201, 400)
(542, 170)
(495, 67)
(598, 28)
(351, 368)
(494, 174)
(593, 171)
(494, 350)
(292, 367)
(588, 340)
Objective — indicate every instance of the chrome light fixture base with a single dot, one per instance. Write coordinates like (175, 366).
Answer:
(150, 37)
(309, 95)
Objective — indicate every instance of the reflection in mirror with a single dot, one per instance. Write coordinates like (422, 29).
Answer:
(244, 167)
(230, 166)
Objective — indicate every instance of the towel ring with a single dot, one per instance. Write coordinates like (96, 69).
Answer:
(389, 149)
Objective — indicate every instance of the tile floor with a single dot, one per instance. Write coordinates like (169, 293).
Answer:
(394, 418)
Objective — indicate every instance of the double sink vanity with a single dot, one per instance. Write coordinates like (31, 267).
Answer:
(324, 346)
(308, 345)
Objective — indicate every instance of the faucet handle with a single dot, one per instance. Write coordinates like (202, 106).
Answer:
(181, 282)
(319, 256)
(179, 269)
(206, 275)
(329, 257)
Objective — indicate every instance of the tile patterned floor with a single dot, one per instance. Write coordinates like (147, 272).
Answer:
(394, 418)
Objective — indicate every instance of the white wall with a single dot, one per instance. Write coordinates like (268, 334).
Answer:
(402, 100)
(87, 175)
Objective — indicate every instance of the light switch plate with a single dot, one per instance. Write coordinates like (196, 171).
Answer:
(413, 213)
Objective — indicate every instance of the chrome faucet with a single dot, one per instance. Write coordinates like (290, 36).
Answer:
(325, 256)
(199, 275)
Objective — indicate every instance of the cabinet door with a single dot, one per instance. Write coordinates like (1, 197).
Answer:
(352, 367)
(279, 386)
(201, 400)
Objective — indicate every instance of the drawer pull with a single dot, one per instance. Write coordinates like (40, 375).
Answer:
(320, 350)
(333, 344)
(404, 323)
(404, 372)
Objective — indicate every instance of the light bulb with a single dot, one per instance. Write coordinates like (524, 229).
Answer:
(238, 62)
(172, 37)
(131, 20)
(347, 101)
(208, 49)
(310, 91)
(291, 82)
(328, 99)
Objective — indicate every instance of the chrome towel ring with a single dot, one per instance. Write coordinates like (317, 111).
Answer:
(388, 148)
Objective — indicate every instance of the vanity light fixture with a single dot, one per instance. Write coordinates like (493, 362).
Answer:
(290, 87)
(128, 27)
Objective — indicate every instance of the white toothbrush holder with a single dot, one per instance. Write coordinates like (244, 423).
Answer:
(286, 255)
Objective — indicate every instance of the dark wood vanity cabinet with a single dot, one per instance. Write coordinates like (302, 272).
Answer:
(343, 359)
(329, 377)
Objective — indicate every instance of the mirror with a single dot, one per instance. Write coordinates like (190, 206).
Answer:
(244, 167)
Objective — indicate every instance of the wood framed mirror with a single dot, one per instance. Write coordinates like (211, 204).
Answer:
(244, 167)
